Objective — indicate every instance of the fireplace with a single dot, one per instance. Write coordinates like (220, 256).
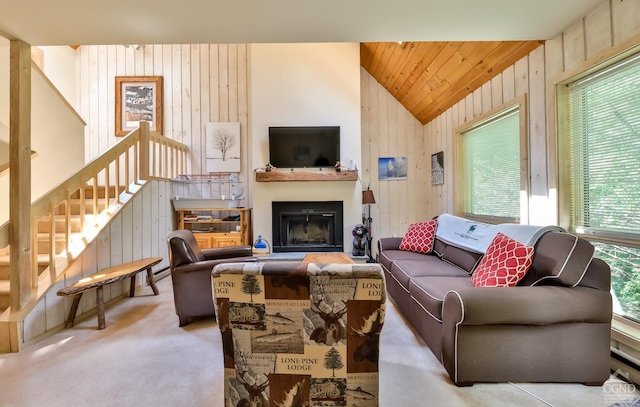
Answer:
(307, 226)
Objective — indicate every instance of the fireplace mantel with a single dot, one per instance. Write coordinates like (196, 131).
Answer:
(327, 175)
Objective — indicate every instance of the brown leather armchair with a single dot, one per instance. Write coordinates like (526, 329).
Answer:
(191, 272)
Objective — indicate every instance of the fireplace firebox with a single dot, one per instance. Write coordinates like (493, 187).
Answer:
(307, 226)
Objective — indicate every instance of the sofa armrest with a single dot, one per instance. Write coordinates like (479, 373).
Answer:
(526, 306)
(514, 334)
(389, 243)
(227, 252)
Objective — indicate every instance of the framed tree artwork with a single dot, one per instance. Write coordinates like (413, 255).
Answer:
(138, 98)
(223, 146)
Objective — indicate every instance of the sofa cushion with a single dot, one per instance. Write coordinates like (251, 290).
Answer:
(387, 257)
(504, 264)
(598, 275)
(429, 292)
(464, 259)
(439, 247)
(560, 259)
(405, 270)
(419, 237)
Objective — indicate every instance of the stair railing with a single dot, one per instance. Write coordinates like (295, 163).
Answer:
(137, 157)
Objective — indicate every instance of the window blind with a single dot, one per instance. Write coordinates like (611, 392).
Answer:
(491, 161)
(604, 115)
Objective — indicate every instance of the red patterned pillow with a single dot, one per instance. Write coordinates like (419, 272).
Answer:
(420, 237)
(504, 264)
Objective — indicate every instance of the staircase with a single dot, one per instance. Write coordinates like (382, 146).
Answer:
(81, 210)
(67, 219)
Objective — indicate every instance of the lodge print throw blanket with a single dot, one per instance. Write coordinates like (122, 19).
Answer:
(477, 236)
(300, 333)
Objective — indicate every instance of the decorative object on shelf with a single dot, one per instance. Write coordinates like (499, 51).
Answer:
(223, 146)
(261, 247)
(214, 191)
(392, 168)
(338, 166)
(138, 98)
(269, 167)
(437, 168)
(360, 233)
(368, 199)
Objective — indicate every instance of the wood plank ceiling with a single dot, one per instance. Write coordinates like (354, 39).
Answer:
(427, 78)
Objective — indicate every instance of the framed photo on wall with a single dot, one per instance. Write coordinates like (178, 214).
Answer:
(392, 168)
(138, 98)
(437, 168)
(223, 146)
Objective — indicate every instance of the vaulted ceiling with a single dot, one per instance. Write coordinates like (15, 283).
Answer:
(427, 78)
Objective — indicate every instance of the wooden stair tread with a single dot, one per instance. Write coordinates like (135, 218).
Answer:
(88, 191)
(57, 235)
(43, 259)
(4, 286)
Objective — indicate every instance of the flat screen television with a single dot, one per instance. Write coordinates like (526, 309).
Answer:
(304, 146)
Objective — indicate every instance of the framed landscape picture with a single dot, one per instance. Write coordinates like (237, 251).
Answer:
(392, 168)
(138, 98)
(437, 168)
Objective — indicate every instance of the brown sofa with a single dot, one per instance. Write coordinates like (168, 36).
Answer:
(191, 272)
(554, 326)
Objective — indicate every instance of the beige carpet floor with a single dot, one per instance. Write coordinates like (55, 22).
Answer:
(143, 358)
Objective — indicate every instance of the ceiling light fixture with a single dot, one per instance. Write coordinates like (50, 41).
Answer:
(136, 47)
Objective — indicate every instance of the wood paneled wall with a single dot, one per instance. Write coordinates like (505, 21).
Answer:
(389, 130)
(201, 83)
(137, 231)
(612, 23)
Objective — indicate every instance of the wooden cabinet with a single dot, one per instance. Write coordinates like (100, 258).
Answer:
(206, 240)
(217, 227)
(226, 239)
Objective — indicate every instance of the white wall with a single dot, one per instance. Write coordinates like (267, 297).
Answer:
(4, 143)
(61, 67)
(57, 135)
(305, 85)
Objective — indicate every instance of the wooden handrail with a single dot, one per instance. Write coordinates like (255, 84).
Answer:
(97, 173)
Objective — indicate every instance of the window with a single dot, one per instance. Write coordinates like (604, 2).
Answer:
(489, 157)
(604, 176)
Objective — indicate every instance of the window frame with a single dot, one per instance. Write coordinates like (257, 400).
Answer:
(562, 141)
(519, 103)
(624, 330)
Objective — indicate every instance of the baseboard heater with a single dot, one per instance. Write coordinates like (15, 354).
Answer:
(155, 273)
(626, 364)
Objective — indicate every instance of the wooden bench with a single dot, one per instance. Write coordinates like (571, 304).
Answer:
(108, 276)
